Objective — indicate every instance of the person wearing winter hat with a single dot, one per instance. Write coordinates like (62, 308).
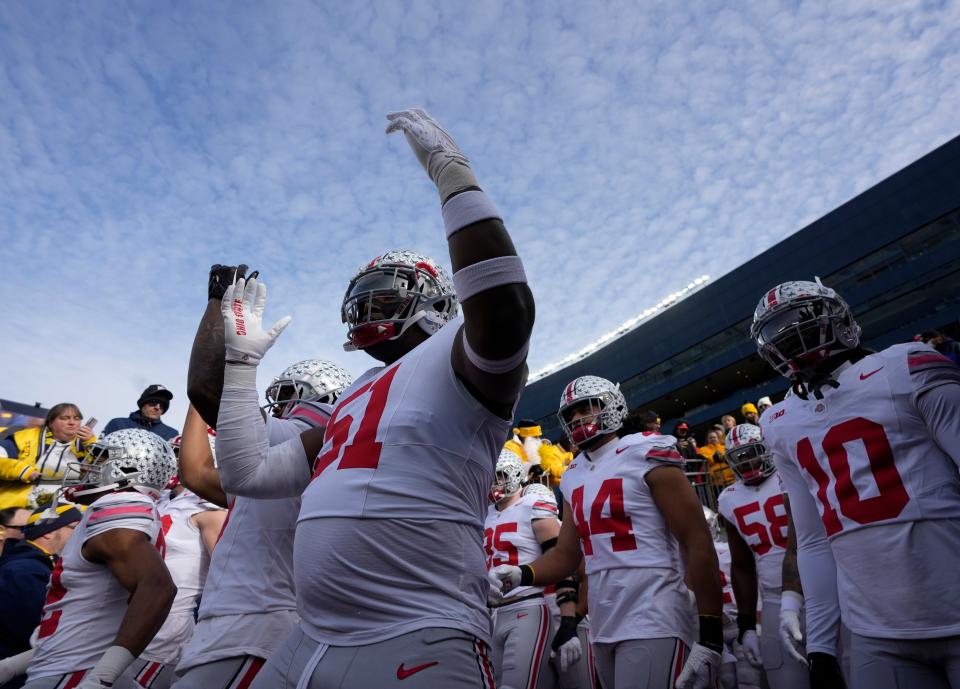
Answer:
(750, 414)
(153, 403)
(763, 404)
(25, 569)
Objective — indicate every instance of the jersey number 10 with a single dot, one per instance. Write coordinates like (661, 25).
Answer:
(892, 495)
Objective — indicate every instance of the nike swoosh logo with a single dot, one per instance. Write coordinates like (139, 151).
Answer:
(403, 673)
(864, 376)
(521, 615)
(620, 449)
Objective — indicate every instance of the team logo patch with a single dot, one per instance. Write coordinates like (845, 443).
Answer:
(820, 407)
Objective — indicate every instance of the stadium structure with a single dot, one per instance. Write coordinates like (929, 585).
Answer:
(893, 253)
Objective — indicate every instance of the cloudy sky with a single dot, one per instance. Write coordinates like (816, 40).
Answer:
(631, 147)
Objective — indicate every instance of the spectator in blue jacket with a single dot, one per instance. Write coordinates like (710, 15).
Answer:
(25, 568)
(153, 403)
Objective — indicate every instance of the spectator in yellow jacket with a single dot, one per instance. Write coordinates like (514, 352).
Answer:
(714, 452)
(38, 458)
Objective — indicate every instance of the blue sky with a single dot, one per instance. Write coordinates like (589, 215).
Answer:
(630, 146)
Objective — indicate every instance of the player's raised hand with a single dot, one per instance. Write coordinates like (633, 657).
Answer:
(222, 277)
(244, 337)
(436, 150)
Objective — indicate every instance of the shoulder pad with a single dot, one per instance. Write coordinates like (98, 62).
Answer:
(922, 358)
(314, 414)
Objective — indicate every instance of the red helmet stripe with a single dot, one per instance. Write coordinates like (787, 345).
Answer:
(772, 297)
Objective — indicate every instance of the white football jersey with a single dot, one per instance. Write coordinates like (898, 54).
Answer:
(409, 447)
(250, 576)
(633, 561)
(760, 516)
(85, 602)
(187, 559)
(509, 539)
(887, 495)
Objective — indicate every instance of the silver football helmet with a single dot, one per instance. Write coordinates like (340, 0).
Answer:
(800, 323)
(541, 491)
(605, 405)
(312, 380)
(747, 455)
(128, 458)
(509, 476)
(713, 523)
(393, 292)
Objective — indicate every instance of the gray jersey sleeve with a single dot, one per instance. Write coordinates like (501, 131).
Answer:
(249, 465)
(818, 570)
(937, 383)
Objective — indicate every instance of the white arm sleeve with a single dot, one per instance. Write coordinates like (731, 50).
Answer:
(938, 401)
(818, 570)
(249, 466)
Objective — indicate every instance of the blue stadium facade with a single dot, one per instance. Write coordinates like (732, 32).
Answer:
(893, 253)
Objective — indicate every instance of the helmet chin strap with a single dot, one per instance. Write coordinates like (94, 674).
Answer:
(350, 346)
(72, 494)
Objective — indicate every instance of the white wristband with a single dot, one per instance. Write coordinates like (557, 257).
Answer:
(483, 275)
(467, 208)
(112, 664)
(241, 375)
(791, 600)
(18, 664)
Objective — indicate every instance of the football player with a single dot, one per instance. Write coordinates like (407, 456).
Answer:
(519, 527)
(248, 606)
(639, 525)
(110, 591)
(756, 523)
(567, 673)
(190, 530)
(386, 492)
(867, 449)
(314, 380)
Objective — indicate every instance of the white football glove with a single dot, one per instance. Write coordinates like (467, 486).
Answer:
(702, 669)
(504, 577)
(244, 337)
(791, 631)
(570, 653)
(494, 594)
(436, 150)
(14, 666)
(114, 661)
(749, 648)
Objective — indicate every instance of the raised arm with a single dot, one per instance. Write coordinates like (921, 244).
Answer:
(197, 471)
(490, 355)
(205, 373)
(249, 465)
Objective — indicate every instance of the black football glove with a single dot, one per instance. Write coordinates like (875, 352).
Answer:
(825, 672)
(222, 277)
